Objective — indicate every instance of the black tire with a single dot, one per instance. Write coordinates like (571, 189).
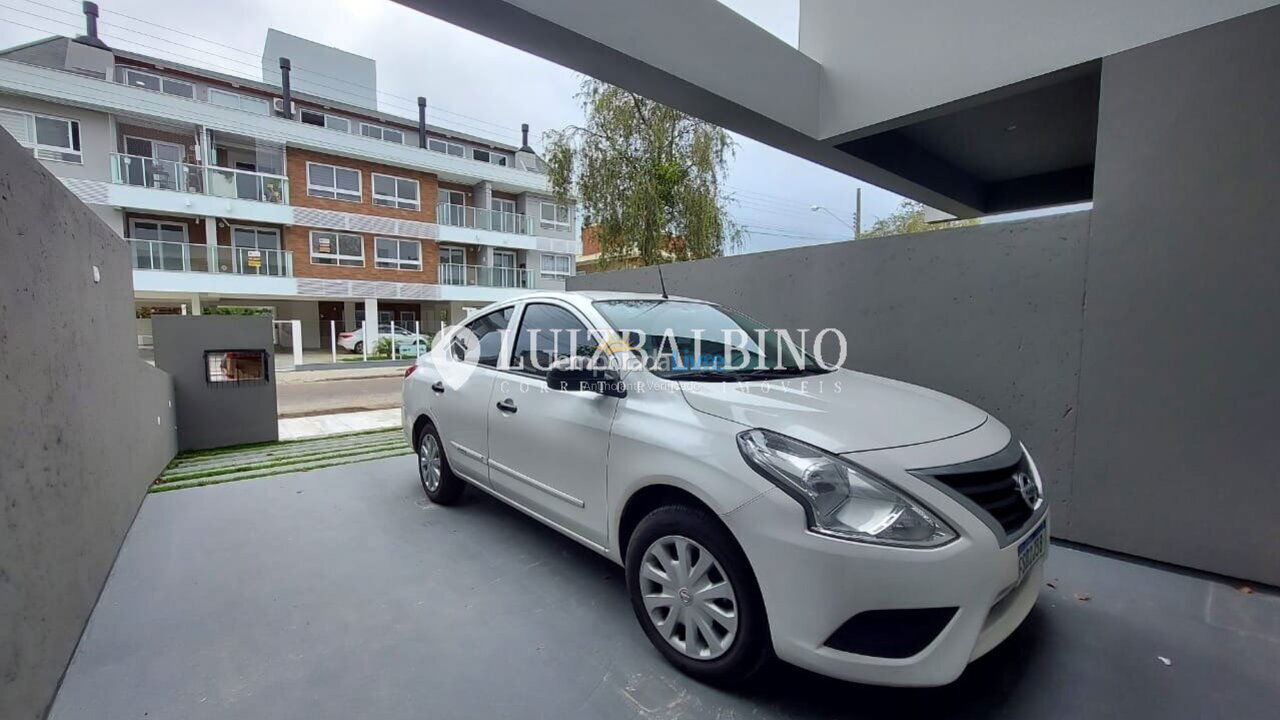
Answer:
(751, 646)
(359, 348)
(449, 488)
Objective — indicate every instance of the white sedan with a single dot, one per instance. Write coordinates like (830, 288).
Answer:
(860, 527)
(354, 341)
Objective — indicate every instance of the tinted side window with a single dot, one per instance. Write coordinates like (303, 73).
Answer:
(488, 330)
(547, 333)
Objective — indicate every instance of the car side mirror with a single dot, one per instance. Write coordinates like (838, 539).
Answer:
(567, 375)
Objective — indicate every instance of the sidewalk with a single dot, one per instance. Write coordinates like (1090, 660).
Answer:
(306, 376)
(318, 425)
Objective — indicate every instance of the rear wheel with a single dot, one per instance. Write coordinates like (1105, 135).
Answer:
(438, 481)
(695, 596)
(359, 348)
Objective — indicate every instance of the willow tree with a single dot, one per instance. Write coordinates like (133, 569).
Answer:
(647, 178)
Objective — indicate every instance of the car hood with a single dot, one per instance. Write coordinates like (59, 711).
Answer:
(841, 411)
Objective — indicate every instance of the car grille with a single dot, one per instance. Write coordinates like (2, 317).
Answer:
(995, 492)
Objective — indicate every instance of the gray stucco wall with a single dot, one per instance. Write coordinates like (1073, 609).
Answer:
(1134, 347)
(211, 416)
(87, 425)
(1179, 390)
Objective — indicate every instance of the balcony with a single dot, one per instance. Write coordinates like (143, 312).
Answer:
(140, 171)
(481, 219)
(486, 276)
(193, 257)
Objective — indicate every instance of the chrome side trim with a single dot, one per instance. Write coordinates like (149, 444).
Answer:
(467, 451)
(541, 486)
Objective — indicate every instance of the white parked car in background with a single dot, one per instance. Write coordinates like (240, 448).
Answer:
(860, 527)
(354, 341)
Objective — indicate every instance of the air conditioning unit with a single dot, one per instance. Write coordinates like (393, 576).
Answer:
(279, 106)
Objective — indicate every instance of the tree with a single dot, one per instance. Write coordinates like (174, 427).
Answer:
(646, 176)
(909, 218)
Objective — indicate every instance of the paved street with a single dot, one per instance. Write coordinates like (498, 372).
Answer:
(305, 393)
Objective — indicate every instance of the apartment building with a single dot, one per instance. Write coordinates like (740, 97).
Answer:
(297, 196)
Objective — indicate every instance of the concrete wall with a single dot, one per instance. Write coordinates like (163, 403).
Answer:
(1179, 389)
(211, 416)
(87, 425)
(1151, 407)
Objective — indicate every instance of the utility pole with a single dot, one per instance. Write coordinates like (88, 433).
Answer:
(857, 214)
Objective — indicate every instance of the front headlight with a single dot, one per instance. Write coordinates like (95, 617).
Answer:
(840, 498)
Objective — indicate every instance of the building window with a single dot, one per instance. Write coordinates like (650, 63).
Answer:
(236, 101)
(489, 157)
(157, 231)
(330, 181)
(382, 133)
(554, 217)
(329, 248)
(50, 138)
(397, 254)
(158, 83)
(395, 192)
(556, 266)
(324, 120)
(447, 148)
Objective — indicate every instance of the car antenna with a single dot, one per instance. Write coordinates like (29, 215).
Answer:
(663, 283)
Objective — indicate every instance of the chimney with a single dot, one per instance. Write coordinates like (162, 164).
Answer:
(422, 122)
(90, 36)
(524, 138)
(285, 67)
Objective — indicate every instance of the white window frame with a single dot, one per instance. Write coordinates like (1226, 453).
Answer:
(319, 190)
(240, 100)
(452, 249)
(337, 257)
(381, 133)
(329, 120)
(396, 263)
(258, 231)
(554, 224)
(133, 228)
(446, 147)
(52, 153)
(395, 201)
(555, 272)
(502, 205)
(491, 156)
(160, 80)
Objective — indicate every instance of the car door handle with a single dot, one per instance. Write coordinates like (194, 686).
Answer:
(438, 386)
(507, 406)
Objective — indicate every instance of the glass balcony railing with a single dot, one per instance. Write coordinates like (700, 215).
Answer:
(482, 219)
(486, 276)
(143, 171)
(194, 257)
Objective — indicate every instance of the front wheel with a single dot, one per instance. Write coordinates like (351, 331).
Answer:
(695, 595)
(359, 348)
(438, 481)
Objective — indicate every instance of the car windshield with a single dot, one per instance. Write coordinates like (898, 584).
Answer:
(687, 340)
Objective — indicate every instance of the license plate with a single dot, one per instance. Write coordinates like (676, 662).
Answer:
(1031, 549)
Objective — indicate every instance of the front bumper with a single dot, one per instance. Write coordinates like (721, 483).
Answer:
(812, 584)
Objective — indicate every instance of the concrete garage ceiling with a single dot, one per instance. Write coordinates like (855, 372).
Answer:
(971, 108)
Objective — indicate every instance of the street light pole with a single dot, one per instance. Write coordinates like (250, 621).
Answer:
(857, 214)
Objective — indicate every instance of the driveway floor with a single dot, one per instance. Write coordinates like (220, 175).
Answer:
(343, 593)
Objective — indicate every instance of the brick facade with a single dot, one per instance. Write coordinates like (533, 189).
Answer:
(298, 239)
(296, 162)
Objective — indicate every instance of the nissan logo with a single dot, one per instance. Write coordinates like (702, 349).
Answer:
(1027, 488)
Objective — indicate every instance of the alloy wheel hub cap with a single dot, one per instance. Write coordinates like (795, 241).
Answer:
(688, 598)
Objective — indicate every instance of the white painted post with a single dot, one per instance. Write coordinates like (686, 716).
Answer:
(195, 304)
(393, 340)
(296, 327)
(370, 334)
(364, 345)
(417, 337)
(333, 341)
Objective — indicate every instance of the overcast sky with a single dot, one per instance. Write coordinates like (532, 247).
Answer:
(471, 83)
